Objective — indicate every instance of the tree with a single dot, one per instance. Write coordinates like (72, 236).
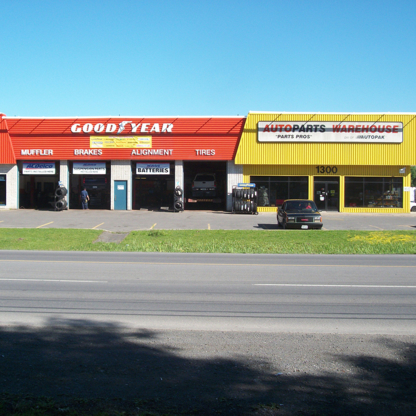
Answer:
(413, 173)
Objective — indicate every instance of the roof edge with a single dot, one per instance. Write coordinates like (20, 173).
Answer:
(329, 112)
(121, 117)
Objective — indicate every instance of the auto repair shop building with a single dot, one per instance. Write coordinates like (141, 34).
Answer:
(344, 162)
(124, 162)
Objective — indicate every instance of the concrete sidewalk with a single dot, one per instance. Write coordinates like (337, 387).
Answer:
(125, 221)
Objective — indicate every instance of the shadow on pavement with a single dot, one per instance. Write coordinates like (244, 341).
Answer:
(83, 360)
(267, 226)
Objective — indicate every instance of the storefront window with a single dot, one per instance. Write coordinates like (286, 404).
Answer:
(2, 189)
(273, 190)
(374, 192)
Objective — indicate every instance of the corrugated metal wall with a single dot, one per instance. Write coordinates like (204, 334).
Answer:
(309, 170)
(252, 152)
(188, 134)
(343, 171)
(6, 148)
(349, 159)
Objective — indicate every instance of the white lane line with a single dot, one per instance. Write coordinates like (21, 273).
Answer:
(309, 285)
(53, 280)
(361, 266)
(45, 224)
(378, 228)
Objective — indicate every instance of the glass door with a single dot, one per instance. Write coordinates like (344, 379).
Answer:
(326, 193)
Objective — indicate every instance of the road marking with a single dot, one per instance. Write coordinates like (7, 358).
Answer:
(211, 264)
(45, 224)
(153, 226)
(308, 285)
(1, 221)
(97, 226)
(54, 280)
(209, 227)
(376, 227)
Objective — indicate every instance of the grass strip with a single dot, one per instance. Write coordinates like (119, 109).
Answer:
(216, 241)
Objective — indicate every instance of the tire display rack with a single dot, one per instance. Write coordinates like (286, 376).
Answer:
(60, 203)
(178, 205)
(244, 200)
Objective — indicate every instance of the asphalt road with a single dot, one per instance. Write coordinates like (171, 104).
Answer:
(208, 334)
(126, 221)
(266, 293)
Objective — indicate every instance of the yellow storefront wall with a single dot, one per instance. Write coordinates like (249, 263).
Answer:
(349, 159)
(343, 171)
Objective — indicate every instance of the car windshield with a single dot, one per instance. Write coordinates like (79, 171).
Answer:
(204, 178)
(301, 206)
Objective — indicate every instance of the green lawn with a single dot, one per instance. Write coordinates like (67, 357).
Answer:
(216, 241)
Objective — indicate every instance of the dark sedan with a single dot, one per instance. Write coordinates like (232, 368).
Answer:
(299, 213)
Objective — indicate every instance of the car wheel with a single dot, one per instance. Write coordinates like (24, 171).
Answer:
(413, 209)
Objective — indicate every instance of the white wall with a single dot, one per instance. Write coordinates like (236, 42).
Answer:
(12, 188)
(234, 177)
(179, 177)
(64, 178)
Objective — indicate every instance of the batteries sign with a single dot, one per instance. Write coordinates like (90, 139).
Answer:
(153, 168)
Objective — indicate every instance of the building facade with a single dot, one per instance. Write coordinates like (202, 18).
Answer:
(344, 162)
(124, 162)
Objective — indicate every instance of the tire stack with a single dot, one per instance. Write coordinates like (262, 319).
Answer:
(178, 199)
(245, 200)
(60, 203)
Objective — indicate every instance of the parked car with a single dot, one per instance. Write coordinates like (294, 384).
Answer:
(299, 213)
(204, 185)
(413, 199)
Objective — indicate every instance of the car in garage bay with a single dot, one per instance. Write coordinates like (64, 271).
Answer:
(299, 213)
(204, 185)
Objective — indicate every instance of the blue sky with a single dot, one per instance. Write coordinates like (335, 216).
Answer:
(62, 58)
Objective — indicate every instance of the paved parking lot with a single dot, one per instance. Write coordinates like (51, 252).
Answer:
(125, 221)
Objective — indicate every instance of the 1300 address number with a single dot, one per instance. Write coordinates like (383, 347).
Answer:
(326, 169)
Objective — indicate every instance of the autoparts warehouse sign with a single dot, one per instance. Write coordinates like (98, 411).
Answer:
(329, 132)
